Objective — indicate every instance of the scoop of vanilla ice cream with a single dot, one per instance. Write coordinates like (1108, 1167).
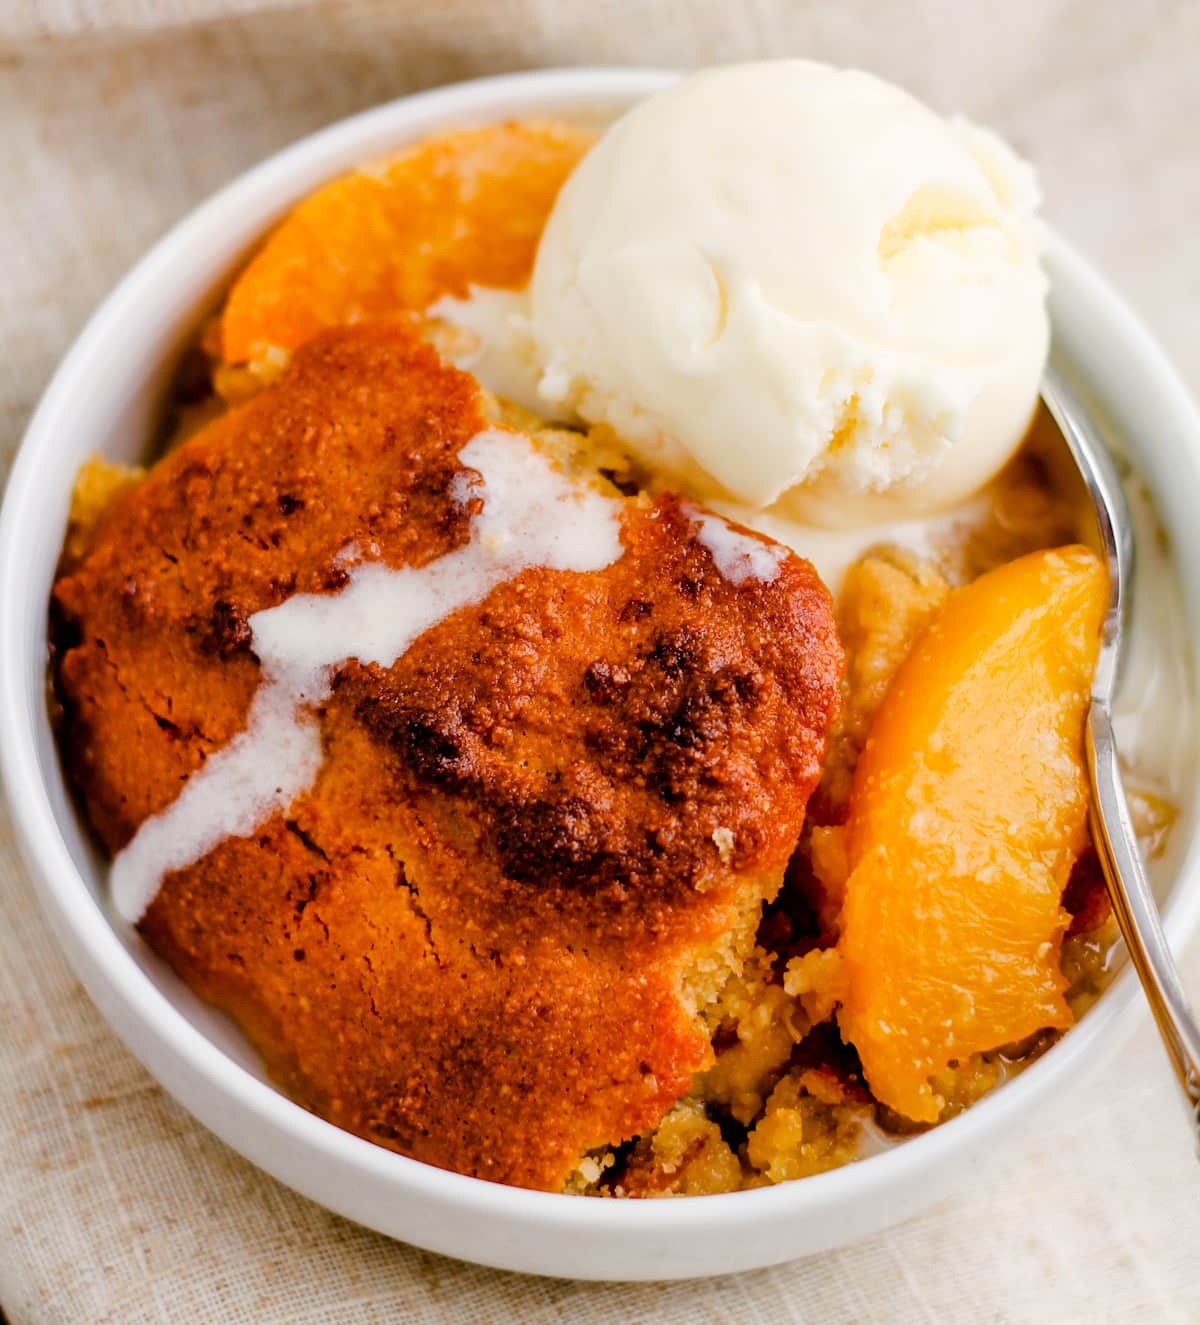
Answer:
(791, 281)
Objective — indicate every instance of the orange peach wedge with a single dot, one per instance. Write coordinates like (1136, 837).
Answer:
(467, 208)
(967, 811)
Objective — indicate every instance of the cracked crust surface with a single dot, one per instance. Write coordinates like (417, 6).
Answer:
(469, 940)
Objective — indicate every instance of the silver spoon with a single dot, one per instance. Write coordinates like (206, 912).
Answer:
(1112, 830)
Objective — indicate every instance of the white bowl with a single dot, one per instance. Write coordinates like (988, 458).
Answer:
(105, 398)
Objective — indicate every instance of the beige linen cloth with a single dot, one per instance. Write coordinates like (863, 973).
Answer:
(116, 116)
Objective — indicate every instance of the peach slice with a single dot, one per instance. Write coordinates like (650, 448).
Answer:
(966, 813)
(466, 208)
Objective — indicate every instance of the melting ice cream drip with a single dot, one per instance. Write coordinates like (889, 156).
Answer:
(532, 516)
(739, 557)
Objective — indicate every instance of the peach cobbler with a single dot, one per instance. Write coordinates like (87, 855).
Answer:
(465, 715)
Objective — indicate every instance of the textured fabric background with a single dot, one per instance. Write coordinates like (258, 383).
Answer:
(116, 116)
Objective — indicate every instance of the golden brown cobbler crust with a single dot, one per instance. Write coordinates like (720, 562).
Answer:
(468, 941)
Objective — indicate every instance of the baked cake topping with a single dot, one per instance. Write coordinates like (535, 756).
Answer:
(484, 931)
(525, 513)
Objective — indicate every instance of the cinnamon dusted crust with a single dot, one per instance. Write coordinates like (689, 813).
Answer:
(485, 935)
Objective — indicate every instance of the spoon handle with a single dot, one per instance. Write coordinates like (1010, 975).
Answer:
(1136, 912)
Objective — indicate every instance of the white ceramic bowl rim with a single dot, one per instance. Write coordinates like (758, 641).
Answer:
(76, 913)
